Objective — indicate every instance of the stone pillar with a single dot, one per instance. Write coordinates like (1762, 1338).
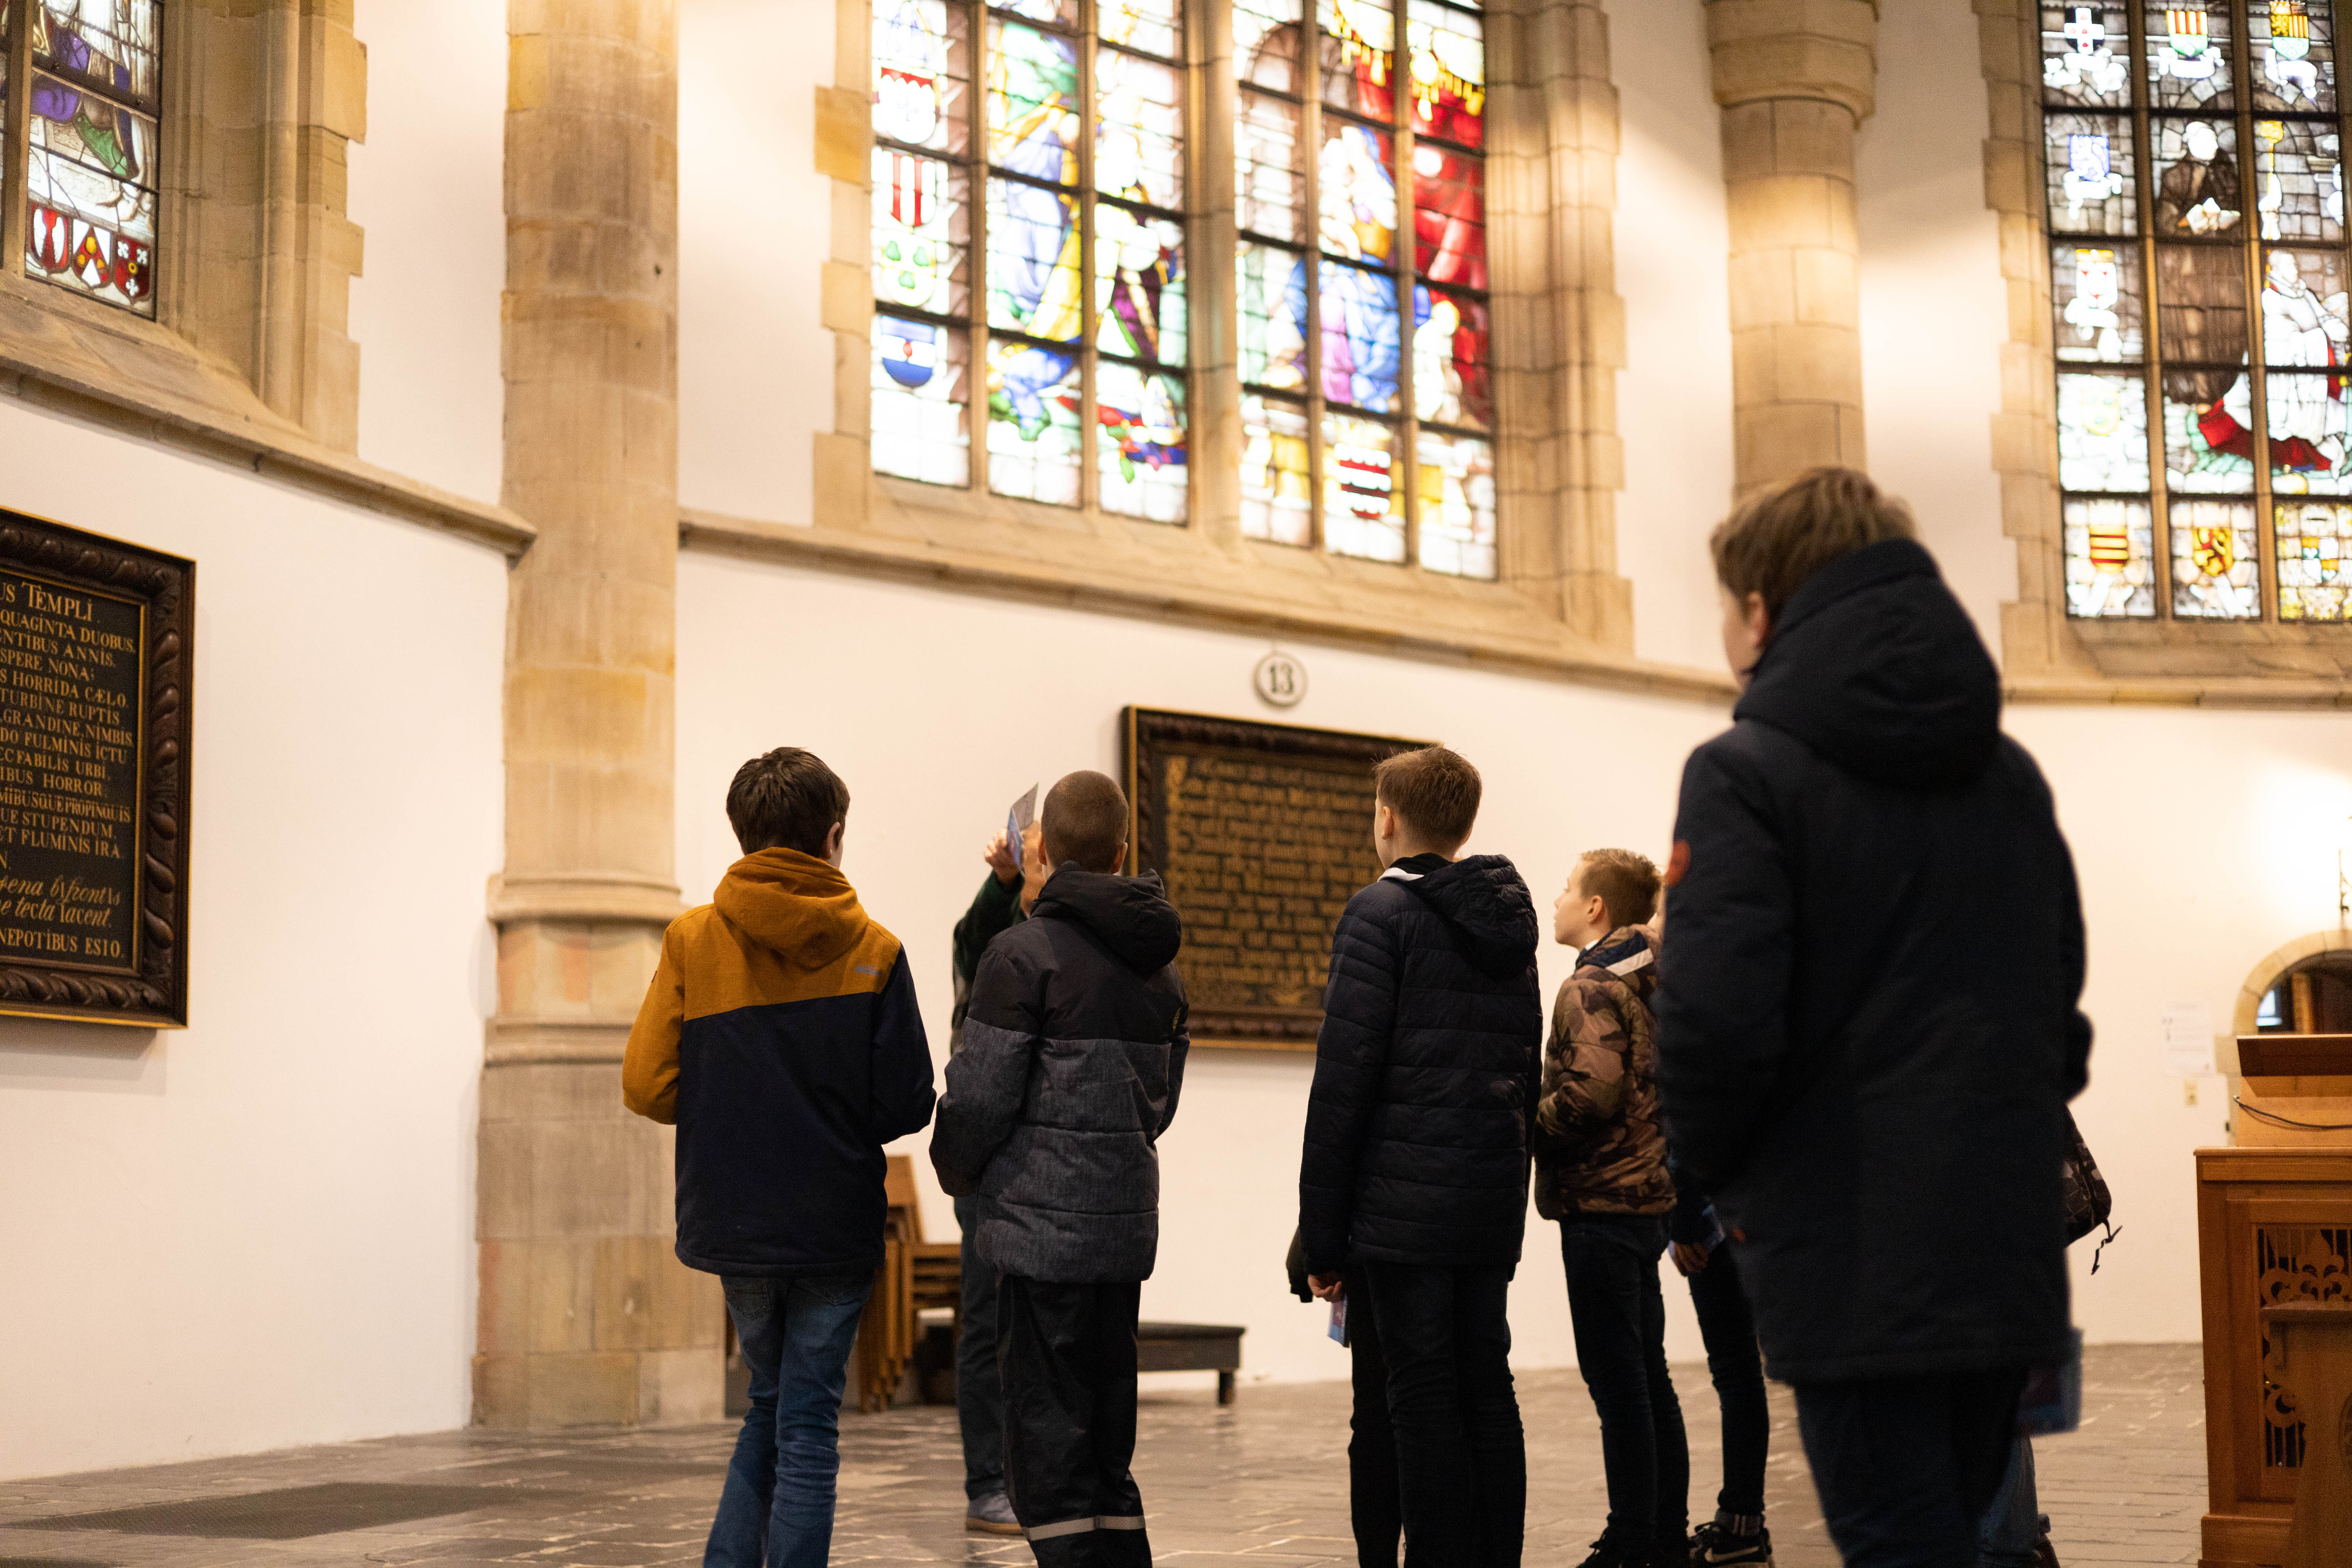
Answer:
(1794, 78)
(585, 1317)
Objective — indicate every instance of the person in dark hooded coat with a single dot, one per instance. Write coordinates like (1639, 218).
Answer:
(1868, 1029)
(1413, 1186)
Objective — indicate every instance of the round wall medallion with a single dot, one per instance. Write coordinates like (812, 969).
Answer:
(1280, 679)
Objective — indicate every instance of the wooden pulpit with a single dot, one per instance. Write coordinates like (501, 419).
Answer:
(2314, 1345)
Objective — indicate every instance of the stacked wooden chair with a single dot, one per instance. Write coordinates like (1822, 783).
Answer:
(915, 1277)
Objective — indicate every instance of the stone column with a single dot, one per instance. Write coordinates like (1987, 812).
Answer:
(585, 1317)
(1794, 78)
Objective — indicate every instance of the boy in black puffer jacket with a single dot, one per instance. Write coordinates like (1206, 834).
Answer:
(1073, 1056)
(1414, 1180)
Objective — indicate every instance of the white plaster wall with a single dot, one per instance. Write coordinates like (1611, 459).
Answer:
(425, 187)
(755, 361)
(1935, 309)
(1674, 397)
(258, 1231)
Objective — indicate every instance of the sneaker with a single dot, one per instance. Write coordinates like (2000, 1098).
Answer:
(991, 1515)
(1608, 1553)
(2045, 1555)
(1712, 1546)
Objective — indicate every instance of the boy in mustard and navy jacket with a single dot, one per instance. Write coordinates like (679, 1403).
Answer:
(781, 1034)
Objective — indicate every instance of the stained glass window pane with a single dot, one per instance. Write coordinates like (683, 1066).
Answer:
(108, 45)
(2310, 419)
(920, 74)
(1139, 442)
(2304, 325)
(2209, 447)
(1272, 314)
(1360, 337)
(921, 429)
(90, 191)
(2188, 55)
(2110, 559)
(2089, 162)
(2299, 180)
(1363, 512)
(1266, 43)
(1138, 129)
(1358, 191)
(1063, 12)
(1358, 56)
(1033, 422)
(2197, 193)
(1457, 505)
(1269, 175)
(1445, 58)
(2315, 560)
(1450, 355)
(2216, 575)
(2201, 312)
(2096, 293)
(2294, 45)
(1032, 93)
(1138, 284)
(2101, 432)
(1449, 216)
(1154, 27)
(1033, 261)
(921, 232)
(1274, 476)
(2084, 55)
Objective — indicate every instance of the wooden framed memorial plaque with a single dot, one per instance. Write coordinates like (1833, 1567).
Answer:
(95, 647)
(1262, 833)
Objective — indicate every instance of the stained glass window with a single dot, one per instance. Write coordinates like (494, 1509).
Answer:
(2198, 280)
(92, 144)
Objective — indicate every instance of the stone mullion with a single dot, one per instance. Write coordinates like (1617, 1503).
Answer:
(1212, 325)
(15, 146)
(843, 482)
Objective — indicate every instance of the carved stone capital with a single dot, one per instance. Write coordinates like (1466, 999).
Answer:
(1766, 49)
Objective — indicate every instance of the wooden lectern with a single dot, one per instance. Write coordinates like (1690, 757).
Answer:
(2274, 1240)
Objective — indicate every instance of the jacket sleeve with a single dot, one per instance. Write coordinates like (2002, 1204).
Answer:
(1180, 1047)
(1351, 1053)
(995, 910)
(901, 1096)
(1723, 1002)
(1586, 1064)
(649, 1065)
(2077, 1026)
(989, 1078)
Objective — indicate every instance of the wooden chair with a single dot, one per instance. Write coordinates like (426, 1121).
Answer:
(916, 1276)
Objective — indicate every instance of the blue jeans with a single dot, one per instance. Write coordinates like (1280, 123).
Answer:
(776, 1511)
(1906, 1466)
(2012, 1528)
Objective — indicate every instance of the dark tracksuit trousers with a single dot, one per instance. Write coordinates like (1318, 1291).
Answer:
(1066, 1353)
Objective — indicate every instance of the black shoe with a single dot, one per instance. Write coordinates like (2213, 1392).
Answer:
(1712, 1546)
(1608, 1553)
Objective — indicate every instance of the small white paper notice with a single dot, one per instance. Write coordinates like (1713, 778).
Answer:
(2188, 1039)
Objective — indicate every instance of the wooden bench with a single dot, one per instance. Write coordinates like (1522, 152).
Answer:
(1191, 1347)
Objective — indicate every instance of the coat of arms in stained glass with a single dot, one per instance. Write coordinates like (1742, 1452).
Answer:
(2216, 575)
(2294, 45)
(91, 168)
(2315, 560)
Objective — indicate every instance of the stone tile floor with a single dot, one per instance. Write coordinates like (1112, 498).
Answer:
(1264, 1480)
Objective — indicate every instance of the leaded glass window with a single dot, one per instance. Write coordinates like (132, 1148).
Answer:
(84, 161)
(2199, 277)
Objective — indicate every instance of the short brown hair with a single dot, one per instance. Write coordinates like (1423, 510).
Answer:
(1435, 791)
(1084, 820)
(1626, 882)
(1775, 540)
(785, 799)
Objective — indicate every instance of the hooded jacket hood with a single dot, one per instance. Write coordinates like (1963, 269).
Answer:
(795, 905)
(1874, 665)
(1629, 953)
(1483, 898)
(1129, 915)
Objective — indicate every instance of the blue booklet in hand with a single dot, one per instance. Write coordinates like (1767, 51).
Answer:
(1017, 821)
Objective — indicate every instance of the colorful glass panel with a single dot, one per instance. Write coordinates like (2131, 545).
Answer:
(2110, 559)
(1359, 56)
(2305, 324)
(1031, 98)
(2310, 430)
(1034, 446)
(1276, 503)
(2209, 447)
(1363, 512)
(110, 46)
(1033, 261)
(1064, 13)
(89, 189)
(2201, 315)
(1360, 347)
(1138, 129)
(2216, 575)
(1269, 174)
(919, 73)
(2188, 55)
(1138, 284)
(2299, 180)
(2101, 432)
(1449, 216)
(2089, 162)
(1272, 314)
(2085, 51)
(1445, 64)
(1154, 27)
(2294, 44)
(2315, 560)
(2198, 194)
(2094, 294)
(1358, 191)
(1457, 505)
(1451, 349)
(922, 428)
(921, 232)
(1266, 43)
(1139, 442)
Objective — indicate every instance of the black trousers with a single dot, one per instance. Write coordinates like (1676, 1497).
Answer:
(980, 1393)
(1067, 1355)
(1727, 1324)
(1374, 1506)
(1619, 1316)
(1461, 1459)
(1907, 1465)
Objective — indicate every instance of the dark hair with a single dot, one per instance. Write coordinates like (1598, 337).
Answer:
(1435, 791)
(1775, 540)
(1626, 882)
(787, 799)
(1085, 820)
